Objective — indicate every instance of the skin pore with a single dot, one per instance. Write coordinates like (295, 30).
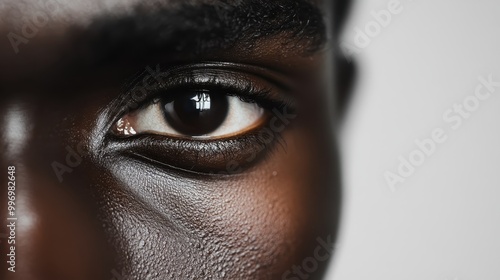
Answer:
(94, 202)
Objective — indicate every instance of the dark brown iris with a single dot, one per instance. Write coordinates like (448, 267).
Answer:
(196, 112)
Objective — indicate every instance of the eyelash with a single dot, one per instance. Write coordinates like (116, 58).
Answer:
(246, 92)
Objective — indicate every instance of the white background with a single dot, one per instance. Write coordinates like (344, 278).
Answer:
(443, 222)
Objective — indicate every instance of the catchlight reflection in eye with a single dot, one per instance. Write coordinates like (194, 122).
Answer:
(202, 101)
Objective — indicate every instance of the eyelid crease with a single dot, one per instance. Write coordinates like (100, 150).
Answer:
(273, 76)
(278, 79)
(184, 170)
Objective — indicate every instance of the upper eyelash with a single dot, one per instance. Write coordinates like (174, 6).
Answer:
(247, 94)
(243, 89)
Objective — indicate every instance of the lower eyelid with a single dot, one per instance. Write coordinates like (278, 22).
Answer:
(226, 157)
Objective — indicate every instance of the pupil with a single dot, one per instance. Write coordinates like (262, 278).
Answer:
(196, 113)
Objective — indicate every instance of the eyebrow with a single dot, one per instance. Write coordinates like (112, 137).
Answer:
(200, 28)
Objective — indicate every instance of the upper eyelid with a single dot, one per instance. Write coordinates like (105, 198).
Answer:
(276, 77)
(214, 82)
(279, 79)
(205, 74)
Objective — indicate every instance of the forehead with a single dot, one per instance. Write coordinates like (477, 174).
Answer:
(43, 33)
(40, 17)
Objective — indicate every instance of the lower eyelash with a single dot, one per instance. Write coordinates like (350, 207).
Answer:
(221, 157)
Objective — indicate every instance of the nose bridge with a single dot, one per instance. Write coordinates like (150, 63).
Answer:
(54, 230)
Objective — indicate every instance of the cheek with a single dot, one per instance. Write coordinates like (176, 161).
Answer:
(254, 225)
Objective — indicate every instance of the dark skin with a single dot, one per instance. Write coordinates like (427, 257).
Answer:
(155, 204)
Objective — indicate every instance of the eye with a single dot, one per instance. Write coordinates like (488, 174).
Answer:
(193, 113)
(204, 118)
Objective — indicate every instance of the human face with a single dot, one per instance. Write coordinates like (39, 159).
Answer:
(168, 139)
